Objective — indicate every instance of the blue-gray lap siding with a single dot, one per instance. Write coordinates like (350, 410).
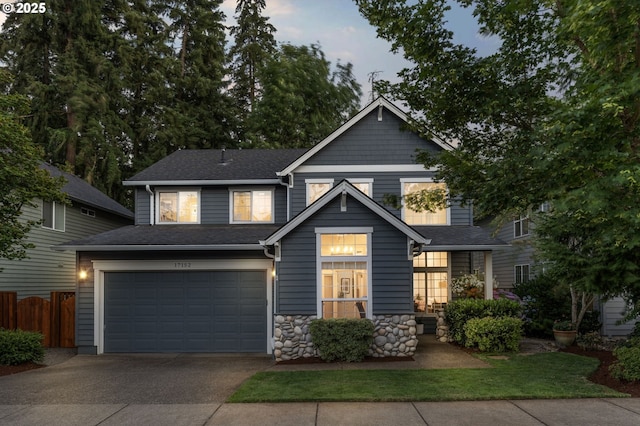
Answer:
(214, 204)
(296, 291)
(370, 141)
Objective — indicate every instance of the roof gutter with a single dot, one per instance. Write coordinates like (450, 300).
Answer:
(200, 182)
(160, 247)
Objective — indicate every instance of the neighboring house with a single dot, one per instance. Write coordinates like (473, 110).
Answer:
(45, 270)
(515, 264)
(238, 250)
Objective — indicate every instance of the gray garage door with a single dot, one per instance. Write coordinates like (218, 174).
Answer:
(195, 311)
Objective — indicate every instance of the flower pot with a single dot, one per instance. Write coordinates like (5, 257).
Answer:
(564, 338)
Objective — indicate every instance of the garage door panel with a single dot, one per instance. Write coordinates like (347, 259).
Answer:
(193, 311)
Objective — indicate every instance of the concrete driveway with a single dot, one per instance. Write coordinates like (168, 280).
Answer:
(133, 379)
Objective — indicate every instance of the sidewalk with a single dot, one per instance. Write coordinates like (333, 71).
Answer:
(179, 389)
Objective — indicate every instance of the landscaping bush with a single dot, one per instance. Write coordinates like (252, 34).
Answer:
(491, 334)
(18, 347)
(342, 339)
(458, 312)
(627, 365)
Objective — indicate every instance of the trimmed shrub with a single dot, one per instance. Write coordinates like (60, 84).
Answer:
(342, 339)
(491, 334)
(627, 366)
(458, 312)
(18, 347)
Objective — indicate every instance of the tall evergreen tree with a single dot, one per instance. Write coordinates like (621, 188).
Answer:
(205, 114)
(254, 45)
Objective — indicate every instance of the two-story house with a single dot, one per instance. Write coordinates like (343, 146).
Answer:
(45, 270)
(238, 250)
(516, 264)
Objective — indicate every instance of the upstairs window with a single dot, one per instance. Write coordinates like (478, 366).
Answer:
(53, 215)
(252, 206)
(178, 207)
(316, 188)
(521, 226)
(412, 217)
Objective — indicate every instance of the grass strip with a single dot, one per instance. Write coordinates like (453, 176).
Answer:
(544, 375)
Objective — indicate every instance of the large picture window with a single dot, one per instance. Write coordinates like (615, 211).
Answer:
(252, 206)
(344, 275)
(53, 215)
(430, 281)
(178, 207)
(412, 217)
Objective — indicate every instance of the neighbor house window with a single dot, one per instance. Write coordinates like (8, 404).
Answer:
(344, 260)
(178, 207)
(412, 217)
(521, 273)
(53, 215)
(521, 226)
(252, 206)
(430, 281)
(316, 188)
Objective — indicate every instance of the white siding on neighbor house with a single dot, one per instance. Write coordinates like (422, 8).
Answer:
(47, 270)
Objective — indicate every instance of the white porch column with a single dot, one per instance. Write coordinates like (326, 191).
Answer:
(488, 275)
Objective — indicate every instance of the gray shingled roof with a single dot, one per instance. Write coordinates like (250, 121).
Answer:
(179, 236)
(81, 191)
(207, 165)
(459, 237)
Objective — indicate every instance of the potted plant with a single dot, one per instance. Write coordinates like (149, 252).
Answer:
(564, 332)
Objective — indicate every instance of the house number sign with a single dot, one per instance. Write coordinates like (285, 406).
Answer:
(182, 265)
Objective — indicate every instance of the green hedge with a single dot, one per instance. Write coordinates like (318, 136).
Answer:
(18, 347)
(458, 312)
(627, 366)
(342, 339)
(491, 334)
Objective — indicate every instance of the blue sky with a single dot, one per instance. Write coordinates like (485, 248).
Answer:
(345, 35)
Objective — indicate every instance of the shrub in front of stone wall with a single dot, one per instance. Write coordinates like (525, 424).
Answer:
(18, 347)
(458, 312)
(491, 334)
(342, 339)
(627, 365)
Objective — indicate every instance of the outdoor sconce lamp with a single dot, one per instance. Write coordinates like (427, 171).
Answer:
(82, 275)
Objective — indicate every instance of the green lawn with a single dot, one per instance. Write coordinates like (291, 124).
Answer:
(544, 375)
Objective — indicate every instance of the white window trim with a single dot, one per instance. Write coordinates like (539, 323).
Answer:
(308, 182)
(102, 266)
(53, 216)
(252, 189)
(515, 274)
(367, 258)
(421, 180)
(518, 222)
(157, 192)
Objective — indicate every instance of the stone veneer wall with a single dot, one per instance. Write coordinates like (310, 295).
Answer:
(442, 328)
(394, 335)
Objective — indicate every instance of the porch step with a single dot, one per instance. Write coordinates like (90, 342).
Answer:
(429, 324)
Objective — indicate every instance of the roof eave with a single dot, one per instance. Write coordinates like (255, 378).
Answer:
(158, 247)
(201, 182)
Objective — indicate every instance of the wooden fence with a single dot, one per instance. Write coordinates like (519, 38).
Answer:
(55, 319)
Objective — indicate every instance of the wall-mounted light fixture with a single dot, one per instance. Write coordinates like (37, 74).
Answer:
(82, 275)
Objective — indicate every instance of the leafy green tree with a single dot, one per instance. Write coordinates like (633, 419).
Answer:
(21, 178)
(303, 100)
(551, 116)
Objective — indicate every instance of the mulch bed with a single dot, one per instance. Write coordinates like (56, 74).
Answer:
(601, 375)
(6, 370)
(317, 360)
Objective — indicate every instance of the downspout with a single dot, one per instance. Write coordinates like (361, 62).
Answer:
(152, 213)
